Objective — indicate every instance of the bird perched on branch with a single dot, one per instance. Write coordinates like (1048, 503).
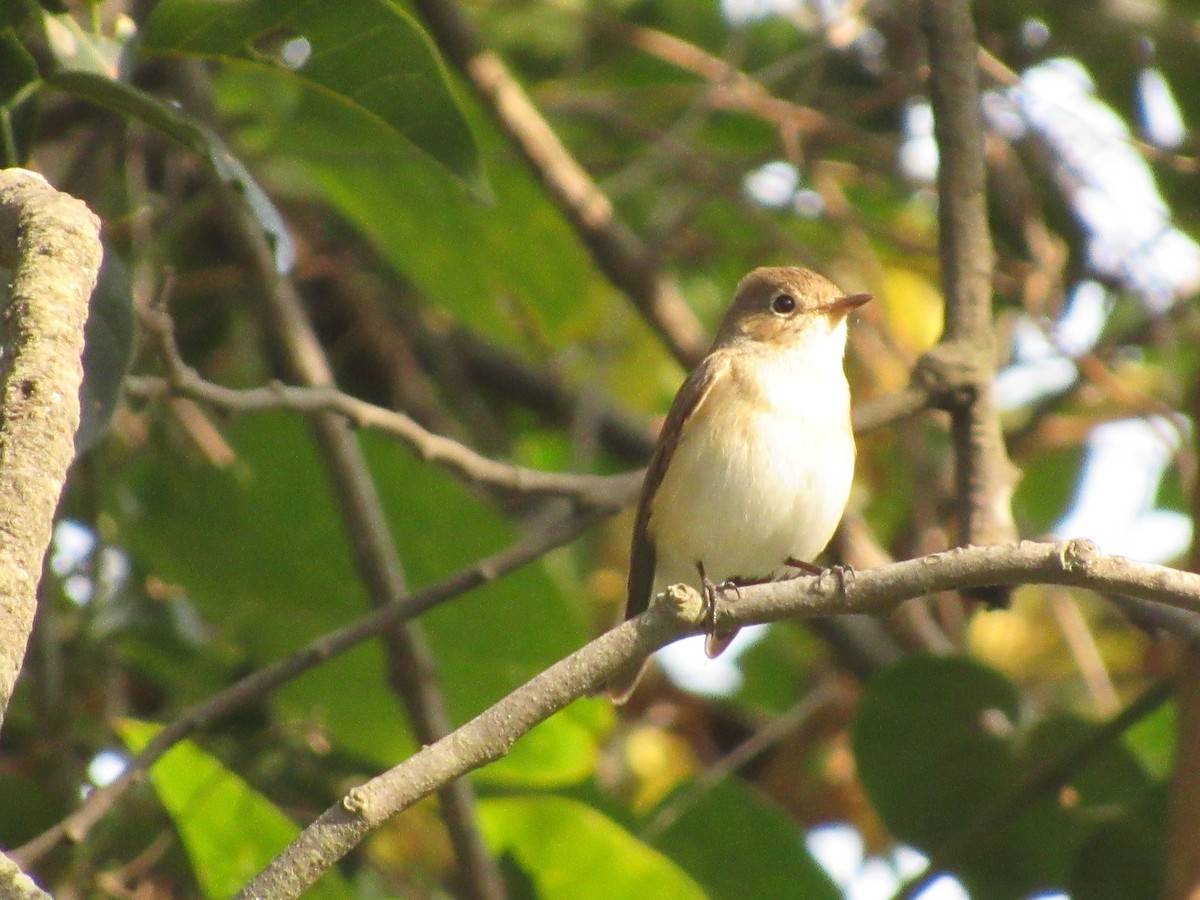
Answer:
(753, 467)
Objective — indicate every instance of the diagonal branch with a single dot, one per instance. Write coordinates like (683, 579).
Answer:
(254, 687)
(618, 251)
(675, 613)
(51, 243)
(592, 491)
(411, 666)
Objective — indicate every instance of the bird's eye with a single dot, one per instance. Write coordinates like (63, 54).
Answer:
(783, 304)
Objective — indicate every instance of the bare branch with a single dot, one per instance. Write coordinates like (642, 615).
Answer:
(599, 492)
(16, 885)
(675, 613)
(593, 491)
(618, 251)
(51, 242)
(985, 477)
(254, 687)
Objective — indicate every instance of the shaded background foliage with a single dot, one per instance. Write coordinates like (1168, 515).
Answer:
(444, 282)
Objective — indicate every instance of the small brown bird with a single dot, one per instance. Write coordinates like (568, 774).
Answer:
(753, 467)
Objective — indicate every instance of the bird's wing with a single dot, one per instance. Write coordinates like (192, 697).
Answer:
(688, 401)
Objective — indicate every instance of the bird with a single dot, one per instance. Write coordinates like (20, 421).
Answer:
(753, 467)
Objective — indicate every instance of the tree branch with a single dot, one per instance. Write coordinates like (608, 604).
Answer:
(254, 687)
(16, 885)
(964, 361)
(51, 242)
(675, 613)
(411, 666)
(599, 492)
(619, 253)
(1182, 876)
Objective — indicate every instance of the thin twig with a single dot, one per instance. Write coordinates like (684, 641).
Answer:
(1083, 647)
(600, 492)
(593, 491)
(675, 613)
(732, 89)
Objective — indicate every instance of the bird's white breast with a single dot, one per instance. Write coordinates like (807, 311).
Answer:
(762, 470)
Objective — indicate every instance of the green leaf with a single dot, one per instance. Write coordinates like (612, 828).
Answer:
(107, 350)
(129, 101)
(930, 747)
(1121, 860)
(509, 269)
(572, 852)
(17, 13)
(260, 548)
(230, 831)
(18, 112)
(937, 750)
(737, 845)
(369, 56)
(1112, 776)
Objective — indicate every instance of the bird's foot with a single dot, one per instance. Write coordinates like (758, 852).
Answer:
(717, 640)
(844, 575)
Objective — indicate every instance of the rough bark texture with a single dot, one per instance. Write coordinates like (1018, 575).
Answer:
(966, 356)
(50, 242)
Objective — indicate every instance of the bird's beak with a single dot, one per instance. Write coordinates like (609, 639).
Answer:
(843, 305)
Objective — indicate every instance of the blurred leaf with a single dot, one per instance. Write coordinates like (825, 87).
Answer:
(512, 269)
(369, 56)
(76, 50)
(16, 13)
(572, 852)
(1120, 860)
(560, 751)
(129, 101)
(107, 350)
(230, 830)
(1111, 777)
(913, 305)
(931, 742)
(934, 751)
(18, 111)
(1153, 740)
(926, 753)
(737, 845)
(1048, 483)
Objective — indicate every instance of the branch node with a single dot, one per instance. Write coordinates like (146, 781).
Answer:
(357, 802)
(1078, 555)
(681, 603)
(951, 373)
